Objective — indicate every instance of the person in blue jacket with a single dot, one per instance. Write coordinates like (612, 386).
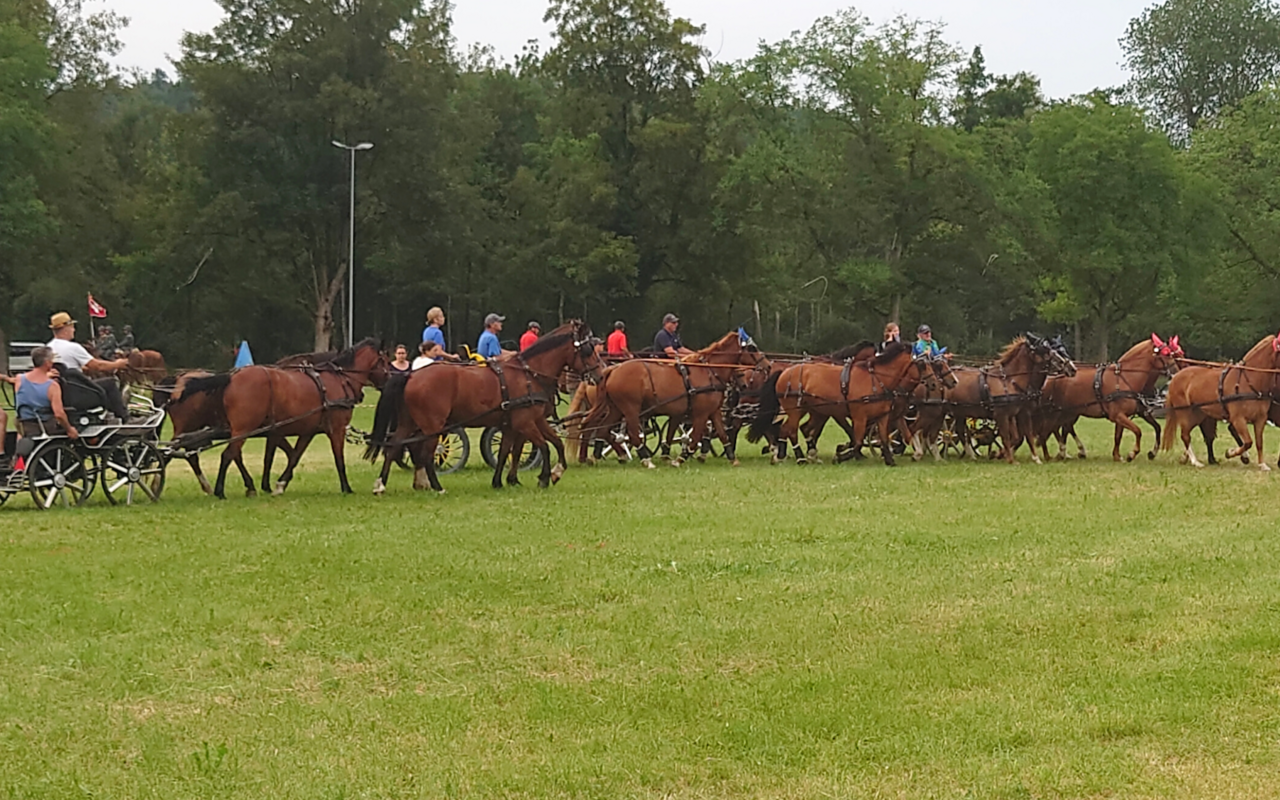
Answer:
(926, 346)
(488, 346)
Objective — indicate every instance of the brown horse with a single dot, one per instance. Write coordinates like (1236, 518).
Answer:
(198, 421)
(515, 392)
(146, 368)
(692, 388)
(1241, 394)
(1116, 391)
(303, 402)
(1006, 392)
(860, 392)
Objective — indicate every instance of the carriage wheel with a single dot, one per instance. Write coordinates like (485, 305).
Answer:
(491, 444)
(452, 451)
(133, 472)
(985, 437)
(58, 476)
(950, 440)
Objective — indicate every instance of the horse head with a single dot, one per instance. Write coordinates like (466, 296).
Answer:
(586, 352)
(1167, 353)
(366, 361)
(942, 370)
(1051, 353)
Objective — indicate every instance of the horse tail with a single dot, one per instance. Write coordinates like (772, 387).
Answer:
(385, 417)
(1172, 423)
(762, 424)
(212, 385)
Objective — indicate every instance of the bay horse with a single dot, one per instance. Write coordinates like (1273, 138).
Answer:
(198, 420)
(278, 402)
(1006, 392)
(1117, 391)
(690, 388)
(515, 392)
(857, 391)
(146, 368)
(1241, 394)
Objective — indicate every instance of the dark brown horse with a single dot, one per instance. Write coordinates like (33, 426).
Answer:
(1241, 394)
(692, 389)
(1116, 391)
(1006, 392)
(279, 402)
(857, 391)
(515, 392)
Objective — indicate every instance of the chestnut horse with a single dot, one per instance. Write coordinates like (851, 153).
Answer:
(857, 391)
(515, 392)
(303, 402)
(1006, 392)
(1116, 391)
(1241, 394)
(691, 388)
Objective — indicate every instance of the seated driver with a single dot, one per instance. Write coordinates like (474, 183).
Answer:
(39, 398)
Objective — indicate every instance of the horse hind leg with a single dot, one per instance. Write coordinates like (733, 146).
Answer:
(194, 461)
(299, 448)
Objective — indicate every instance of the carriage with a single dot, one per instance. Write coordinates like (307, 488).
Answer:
(123, 457)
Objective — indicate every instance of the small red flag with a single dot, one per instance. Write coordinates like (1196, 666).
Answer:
(96, 309)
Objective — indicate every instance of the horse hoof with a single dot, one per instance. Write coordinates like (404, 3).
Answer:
(1150, 456)
(815, 460)
(250, 493)
(735, 463)
(441, 493)
(648, 462)
(676, 462)
(1244, 460)
(379, 487)
(702, 459)
(1264, 466)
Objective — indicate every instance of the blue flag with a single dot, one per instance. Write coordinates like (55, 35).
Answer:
(243, 357)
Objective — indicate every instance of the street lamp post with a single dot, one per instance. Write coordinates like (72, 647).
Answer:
(351, 240)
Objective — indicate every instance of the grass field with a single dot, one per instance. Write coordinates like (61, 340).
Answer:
(1083, 629)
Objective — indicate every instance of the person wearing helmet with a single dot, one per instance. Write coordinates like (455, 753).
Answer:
(530, 336)
(925, 345)
(617, 342)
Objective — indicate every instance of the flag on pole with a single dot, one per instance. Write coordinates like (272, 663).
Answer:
(96, 309)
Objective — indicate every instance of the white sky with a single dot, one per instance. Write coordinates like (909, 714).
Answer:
(1070, 44)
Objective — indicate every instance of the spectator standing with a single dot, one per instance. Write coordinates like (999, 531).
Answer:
(400, 365)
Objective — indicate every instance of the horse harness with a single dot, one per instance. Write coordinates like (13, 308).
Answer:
(527, 400)
(990, 401)
(1238, 395)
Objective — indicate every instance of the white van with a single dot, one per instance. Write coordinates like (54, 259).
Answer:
(20, 356)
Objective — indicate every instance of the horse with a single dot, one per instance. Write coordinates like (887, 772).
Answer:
(514, 392)
(1005, 392)
(1115, 391)
(1241, 394)
(198, 420)
(692, 387)
(857, 391)
(279, 402)
(146, 367)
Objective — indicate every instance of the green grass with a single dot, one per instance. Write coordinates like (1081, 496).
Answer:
(1084, 629)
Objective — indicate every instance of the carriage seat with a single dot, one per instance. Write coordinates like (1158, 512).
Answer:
(84, 400)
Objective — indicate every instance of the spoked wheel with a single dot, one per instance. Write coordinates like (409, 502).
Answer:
(133, 472)
(491, 445)
(985, 437)
(452, 451)
(950, 439)
(59, 477)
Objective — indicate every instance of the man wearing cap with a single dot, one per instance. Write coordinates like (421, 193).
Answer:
(72, 355)
(925, 345)
(530, 336)
(617, 343)
(489, 346)
(667, 342)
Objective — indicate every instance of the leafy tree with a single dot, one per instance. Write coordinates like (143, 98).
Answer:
(1191, 59)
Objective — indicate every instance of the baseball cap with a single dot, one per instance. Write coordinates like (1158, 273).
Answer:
(670, 318)
(492, 318)
(533, 325)
(924, 329)
(620, 325)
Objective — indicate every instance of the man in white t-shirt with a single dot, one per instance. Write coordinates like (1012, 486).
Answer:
(66, 350)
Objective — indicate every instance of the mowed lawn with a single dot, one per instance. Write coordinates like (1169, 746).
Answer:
(1084, 629)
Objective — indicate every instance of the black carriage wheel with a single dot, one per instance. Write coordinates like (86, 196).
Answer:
(491, 444)
(133, 472)
(452, 452)
(57, 475)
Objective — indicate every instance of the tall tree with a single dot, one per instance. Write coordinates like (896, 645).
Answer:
(1190, 59)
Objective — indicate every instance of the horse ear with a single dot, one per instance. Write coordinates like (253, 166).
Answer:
(1156, 342)
(1173, 344)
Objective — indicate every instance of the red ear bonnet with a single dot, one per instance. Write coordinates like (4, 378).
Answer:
(1175, 347)
(1275, 344)
(1156, 343)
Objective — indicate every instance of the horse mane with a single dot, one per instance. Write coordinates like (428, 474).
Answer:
(846, 353)
(347, 358)
(891, 351)
(1010, 349)
(551, 341)
(718, 345)
(1266, 343)
(1136, 350)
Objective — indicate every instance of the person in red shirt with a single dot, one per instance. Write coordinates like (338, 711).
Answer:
(530, 336)
(617, 343)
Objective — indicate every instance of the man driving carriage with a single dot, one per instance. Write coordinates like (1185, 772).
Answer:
(72, 355)
(667, 341)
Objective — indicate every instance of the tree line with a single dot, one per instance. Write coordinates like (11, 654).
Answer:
(844, 176)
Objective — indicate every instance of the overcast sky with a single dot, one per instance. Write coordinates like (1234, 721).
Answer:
(1071, 45)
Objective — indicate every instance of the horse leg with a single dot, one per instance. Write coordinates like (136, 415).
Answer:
(428, 467)
(1188, 456)
(299, 448)
(337, 443)
(553, 439)
(1151, 420)
(249, 489)
(886, 441)
(1009, 435)
(228, 456)
(1124, 422)
(504, 452)
(813, 433)
(512, 459)
(194, 461)
(1237, 423)
(1027, 426)
(1260, 425)
(729, 441)
(268, 457)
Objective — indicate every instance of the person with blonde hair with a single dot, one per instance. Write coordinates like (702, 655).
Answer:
(435, 323)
